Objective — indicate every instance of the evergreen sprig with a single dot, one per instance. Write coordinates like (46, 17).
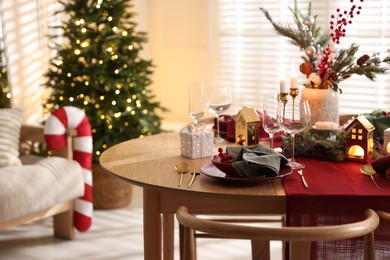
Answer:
(346, 66)
(326, 146)
(294, 31)
(331, 71)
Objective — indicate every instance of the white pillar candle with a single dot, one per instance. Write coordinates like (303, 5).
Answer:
(294, 82)
(283, 86)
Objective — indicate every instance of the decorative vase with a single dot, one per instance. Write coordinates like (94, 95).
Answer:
(324, 104)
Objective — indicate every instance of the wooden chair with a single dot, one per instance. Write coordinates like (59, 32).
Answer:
(300, 238)
(384, 216)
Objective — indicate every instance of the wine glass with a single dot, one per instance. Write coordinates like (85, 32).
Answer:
(196, 101)
(296, 118)
(269, 118)
(218, 100)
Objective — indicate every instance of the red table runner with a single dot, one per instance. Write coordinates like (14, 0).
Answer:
(338, 193)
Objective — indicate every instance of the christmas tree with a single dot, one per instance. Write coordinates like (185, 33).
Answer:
(98, 69)
(5, 95)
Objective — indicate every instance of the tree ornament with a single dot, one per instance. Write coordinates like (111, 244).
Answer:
(305, 29)
(310, 51)
(308, 20)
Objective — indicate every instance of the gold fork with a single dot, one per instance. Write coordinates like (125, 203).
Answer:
(193, 177)
(303, 179)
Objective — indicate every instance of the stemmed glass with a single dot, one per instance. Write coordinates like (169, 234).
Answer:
(218, 100)
(269, 118)
(295, 120)
(196, 101)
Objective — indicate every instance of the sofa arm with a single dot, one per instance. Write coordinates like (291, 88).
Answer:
(35, 134)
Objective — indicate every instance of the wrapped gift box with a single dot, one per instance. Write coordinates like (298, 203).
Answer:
(196, 143)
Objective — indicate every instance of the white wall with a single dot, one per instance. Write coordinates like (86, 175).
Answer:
(182, 44)
(182, 40)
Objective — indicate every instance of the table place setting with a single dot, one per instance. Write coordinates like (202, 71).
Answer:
(247, 164)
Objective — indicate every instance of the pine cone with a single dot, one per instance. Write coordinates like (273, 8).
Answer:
(327, 84)
(362, 59)
(306, 68)
(330, 75)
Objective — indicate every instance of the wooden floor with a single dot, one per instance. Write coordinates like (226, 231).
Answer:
(115, 234)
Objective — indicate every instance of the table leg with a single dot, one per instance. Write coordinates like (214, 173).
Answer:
(152, 225)
(168, 236)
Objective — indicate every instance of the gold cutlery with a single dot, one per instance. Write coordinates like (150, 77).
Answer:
(303, 179)
(182, 168)
(193, 177)
(369, 171)
(387, 178)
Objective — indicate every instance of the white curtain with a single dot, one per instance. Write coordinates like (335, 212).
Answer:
(253, 57)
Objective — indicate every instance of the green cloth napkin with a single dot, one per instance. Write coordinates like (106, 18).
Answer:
(380, 120)
(257, 161)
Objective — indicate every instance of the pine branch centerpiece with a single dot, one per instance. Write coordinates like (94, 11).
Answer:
(323, 67)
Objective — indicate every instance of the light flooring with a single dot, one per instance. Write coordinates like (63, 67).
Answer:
(114, 234)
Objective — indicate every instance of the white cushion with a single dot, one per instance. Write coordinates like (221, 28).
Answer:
(30, 188)
(10, 125)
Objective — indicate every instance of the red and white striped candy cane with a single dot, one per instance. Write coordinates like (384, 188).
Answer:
(69, 117)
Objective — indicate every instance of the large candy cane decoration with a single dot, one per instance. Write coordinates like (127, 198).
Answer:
(65, 118)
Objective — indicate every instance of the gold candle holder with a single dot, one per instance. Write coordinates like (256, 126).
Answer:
(294, 92)
(283, 97)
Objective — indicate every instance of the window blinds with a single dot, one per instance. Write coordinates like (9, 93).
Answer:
(26, 28)
(253, 57)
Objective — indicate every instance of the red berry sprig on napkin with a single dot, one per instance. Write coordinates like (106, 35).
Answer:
(224, 157)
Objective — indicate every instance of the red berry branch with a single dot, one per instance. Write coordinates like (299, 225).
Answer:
(337, 27)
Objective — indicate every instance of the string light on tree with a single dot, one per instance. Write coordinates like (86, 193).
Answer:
(99, 69)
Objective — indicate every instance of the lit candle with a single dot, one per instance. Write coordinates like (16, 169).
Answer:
(294, 77)
(294, 82)
(283, 87)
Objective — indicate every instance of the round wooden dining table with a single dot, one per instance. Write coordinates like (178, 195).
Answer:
(149, 162)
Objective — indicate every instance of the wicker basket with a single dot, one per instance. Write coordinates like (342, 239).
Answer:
(109, 192)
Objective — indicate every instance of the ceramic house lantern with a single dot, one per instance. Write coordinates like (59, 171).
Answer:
(386, 142)
(247, 123)
(359, 143)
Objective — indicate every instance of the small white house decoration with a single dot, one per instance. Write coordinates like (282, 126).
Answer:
(359, 143)
(247, 123)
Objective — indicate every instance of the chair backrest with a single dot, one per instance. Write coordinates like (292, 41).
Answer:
(385, 216)
(299, 238)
